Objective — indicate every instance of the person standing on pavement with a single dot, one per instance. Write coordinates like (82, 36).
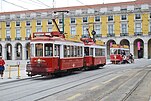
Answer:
(2, 68)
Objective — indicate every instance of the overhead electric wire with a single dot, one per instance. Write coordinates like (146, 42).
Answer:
(43, 3)
(27, 2)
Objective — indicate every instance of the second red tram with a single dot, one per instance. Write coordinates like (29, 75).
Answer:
(51, 53)
(116, 52)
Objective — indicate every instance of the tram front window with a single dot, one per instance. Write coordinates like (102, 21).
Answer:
(32, 49)
(48, 49)
(39, 49)
(86, 51)
(113, 51)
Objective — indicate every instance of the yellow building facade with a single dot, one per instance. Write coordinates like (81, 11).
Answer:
(125, 23)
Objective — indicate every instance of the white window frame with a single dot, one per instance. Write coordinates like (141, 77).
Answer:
(29, 23)
(123, 15)
(8, 35)
(140, 27)
(84, 30)
(71, 20)
(85, 18)
(97, 29)
(9, 24)
(110, 20)
(48, 29)
(49, 22)
(112, 28)
(73, 30)
(140, 16)
(96, 18)
(125, 27)
(39, 29)
(28, 32)
(38, 21)
(18, 33)
(18, 23)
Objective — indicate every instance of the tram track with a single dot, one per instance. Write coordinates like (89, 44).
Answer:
(74, 85)
(65, 87)
(114, 92)
(135, 87)
(28, 81)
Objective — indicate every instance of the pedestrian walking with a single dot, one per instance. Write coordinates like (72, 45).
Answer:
(2, 68)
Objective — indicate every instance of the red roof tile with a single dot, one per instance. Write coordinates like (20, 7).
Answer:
(108, 5)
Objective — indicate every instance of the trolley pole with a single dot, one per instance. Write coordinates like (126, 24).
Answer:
(62, 12)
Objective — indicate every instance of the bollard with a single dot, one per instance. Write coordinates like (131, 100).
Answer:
(9, 76)
(18, 77)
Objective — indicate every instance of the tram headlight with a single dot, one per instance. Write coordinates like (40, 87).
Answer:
(114, 56)
(39, 61)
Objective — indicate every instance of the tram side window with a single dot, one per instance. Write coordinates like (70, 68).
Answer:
(86, 51)
(57, 50)
(91, 51)
(81, 51)
(39, 49)
(76, 51)
(119, 51)
(72, 51)
(68, 51)
(65, 51)
(113, 51)
(98, 52)
(103, 52)
(48, 49)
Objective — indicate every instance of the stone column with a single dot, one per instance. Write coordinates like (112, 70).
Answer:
(146, 50)
(132, 48)
(4, 53)
(24, 53)
(13, 53)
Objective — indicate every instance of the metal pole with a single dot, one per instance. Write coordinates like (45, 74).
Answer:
(18, 77)
(9, 76)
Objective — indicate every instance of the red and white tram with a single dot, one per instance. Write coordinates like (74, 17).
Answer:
(51, 53)
(116, 52)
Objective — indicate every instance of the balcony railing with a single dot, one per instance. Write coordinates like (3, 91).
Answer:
(7, 39)
(85, 36)
(123, 34)
(27, 38)
(138, 33)
(18, 38)
(110, 35)
(149, 33)
(98, 35)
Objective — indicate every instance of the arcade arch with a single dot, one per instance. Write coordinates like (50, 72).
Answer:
(8, 51)
(27, 50)
(149, 48)
(18, 47)
(125, 42)
(138, 48)
(109, 44)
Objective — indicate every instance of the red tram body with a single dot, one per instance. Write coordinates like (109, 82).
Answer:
(51, 53)
(116, 53)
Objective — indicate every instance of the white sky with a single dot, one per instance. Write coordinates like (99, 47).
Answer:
(42, 4)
